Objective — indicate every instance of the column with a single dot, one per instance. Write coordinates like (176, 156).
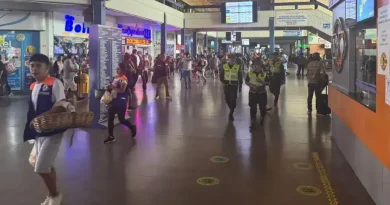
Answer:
(216, 42)
(164, 35)
(272, 34)
(205, 43)
(183, 45)
(99, 12)
(194, 44)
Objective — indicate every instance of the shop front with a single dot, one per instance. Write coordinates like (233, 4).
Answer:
(19, 40)
(71, 36)
(360, 91)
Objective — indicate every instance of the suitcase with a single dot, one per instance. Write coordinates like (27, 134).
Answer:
(323, 107)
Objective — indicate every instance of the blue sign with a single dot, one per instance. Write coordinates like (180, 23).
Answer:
(146, 33)
(70, 26)
(326, 25)
(292, 33)
(365, 9)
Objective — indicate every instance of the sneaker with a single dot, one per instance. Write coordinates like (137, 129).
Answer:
(320, 114)
(133, 131)
(46, 202)
(309, 112)
(157, 97)
(109, 139)
(56, 200)
(268, 108)
(168, 97)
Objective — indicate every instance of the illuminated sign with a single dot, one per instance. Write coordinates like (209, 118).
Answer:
(135, 41)
(70, 26)
(145, 33)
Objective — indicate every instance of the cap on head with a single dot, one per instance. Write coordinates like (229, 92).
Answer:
(41, 58)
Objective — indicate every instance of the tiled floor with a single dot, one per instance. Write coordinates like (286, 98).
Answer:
(173, 148)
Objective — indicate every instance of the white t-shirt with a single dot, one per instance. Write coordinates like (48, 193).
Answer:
(138, 60)
(57, 90)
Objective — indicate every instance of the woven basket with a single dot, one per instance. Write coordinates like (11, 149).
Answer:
(64, 120)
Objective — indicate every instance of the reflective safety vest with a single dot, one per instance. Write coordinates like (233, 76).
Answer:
(231, 74)
(275, 66)
(257, 79)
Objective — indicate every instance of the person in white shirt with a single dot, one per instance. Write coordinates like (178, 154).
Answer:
(70, 69)
(47, 96)
(187, 62)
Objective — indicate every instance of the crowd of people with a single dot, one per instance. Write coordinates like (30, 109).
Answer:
(257, 71)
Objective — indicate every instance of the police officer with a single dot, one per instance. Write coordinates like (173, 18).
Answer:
(277, 77)
(257, 79)
(231, 77)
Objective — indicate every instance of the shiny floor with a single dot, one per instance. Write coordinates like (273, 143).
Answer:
(173, 148)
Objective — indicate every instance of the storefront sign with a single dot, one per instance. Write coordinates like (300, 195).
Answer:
(70, 26)
(135, 41)
(292, 33)
(383, 37)
(135, 32)
(326, 25)
(290, 19)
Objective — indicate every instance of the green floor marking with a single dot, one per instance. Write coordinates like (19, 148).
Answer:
(208, 181)
(219, 159)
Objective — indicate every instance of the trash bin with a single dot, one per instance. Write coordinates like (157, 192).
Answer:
(83, 83)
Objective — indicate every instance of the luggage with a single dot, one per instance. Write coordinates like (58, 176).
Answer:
(323, 107)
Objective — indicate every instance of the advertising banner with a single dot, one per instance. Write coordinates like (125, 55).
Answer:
(290, 19)
(14, 47)
(383, 40)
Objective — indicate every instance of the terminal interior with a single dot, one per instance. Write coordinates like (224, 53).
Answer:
(187, 149)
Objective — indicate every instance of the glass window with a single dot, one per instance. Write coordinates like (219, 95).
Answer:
(365, 75)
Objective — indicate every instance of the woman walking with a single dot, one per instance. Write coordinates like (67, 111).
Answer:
(119, 104)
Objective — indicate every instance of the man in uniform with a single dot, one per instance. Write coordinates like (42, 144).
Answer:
(231, 77)
(257, 79)
(277, 76)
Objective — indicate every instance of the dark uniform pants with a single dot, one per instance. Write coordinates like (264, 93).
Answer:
(231, 96)
(255, 100)
(274, 87)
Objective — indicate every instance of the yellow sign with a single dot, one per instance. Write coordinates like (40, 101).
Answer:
(136, 41)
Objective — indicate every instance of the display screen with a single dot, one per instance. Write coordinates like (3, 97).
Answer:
(365, 9)
(239, 12)
(350, 12)
(245, 42)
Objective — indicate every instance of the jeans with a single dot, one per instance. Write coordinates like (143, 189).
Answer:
(301, 68)
(313, 89)
(231, 96)
(187, 78)
(120, 111)
(260, 100)
(162, 80)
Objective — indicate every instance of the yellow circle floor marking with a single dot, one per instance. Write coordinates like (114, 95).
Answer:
(219, 159)
(303, 166)
(208, 181)
(308, 190)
